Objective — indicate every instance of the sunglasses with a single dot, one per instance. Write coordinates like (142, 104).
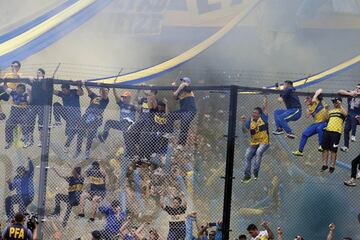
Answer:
(15, 65)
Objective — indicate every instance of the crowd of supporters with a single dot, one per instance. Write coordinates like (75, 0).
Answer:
(154, 169)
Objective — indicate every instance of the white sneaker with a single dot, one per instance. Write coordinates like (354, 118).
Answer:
(344, 149)
(39, 144)
(353, 138)
(358, 175)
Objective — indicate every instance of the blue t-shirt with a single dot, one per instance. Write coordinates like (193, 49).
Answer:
(41, 92)
(16, 232)
(19, 99)
(291, 100)
(70, 100)
(187, 100)
(127, 110)
(97, 180)
(97, 104)
(113, 221)
(24, 185)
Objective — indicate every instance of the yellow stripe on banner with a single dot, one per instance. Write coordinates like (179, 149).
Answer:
(43, 27)
(189, 54)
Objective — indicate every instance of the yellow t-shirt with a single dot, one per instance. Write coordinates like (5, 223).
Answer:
(336, 120)
(12, 85)
(317, 110)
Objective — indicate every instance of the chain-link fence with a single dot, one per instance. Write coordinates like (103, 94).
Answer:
(140, 162)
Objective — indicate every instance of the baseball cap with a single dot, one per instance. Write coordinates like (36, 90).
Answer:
(126, 94)
(335, 99)
(185, 79)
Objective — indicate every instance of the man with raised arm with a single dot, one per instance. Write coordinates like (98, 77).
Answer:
(353, 119)
(258, 126)
(316, 109)
(92, 119)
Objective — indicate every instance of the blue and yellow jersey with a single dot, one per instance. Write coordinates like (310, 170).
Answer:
(187, 100)
(97, 180)
(259, 130)
(19, 100)
(318, 111)
(336, 120)
(12, 85)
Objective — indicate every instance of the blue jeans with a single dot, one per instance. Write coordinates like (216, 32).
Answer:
(176, 233)
(282, 117)
(22, 200)
(256, 151)
(315, 128)
(350, 126)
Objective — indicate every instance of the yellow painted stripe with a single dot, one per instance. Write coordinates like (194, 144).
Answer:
(43, 27)
(248, 7)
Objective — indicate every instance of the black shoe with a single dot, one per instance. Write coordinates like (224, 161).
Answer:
(91, 219)
(278, 132)
(246, 180)
(256, 176)
(291, 135)
(55, 213)
(331, 169)
(101, 138)
(323, 168)
(81, 215)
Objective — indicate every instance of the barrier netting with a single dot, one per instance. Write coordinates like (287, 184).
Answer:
(130, 162)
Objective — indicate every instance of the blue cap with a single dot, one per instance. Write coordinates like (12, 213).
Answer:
(185, 79)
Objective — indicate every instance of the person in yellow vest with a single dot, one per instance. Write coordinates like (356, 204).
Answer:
(332, 135)
(14, 74)
(258, 127)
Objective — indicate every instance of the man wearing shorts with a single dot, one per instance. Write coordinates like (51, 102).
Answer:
(332, 135)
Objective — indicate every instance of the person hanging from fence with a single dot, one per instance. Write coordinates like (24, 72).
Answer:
(4, 96)
(317, 109)
(258, 126)
(115, 218)
(14, 74)
(332, 135)
(353, 119)
(72, 198)
(18, 113)
(23, 184)
(91, 120)
(187, 111)
(154, 141)
(143, 124)
(70, 110)
(292, 112)
(355, 174)
(97, 192)
(177, 212)
(127, 115)
(40, 96)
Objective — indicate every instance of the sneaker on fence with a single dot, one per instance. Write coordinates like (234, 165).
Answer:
(167, 135)
(350, 183)
(39, 144)
(358, 175)
(101, 138)
(331, 169)
(291, 135)
(278, 131)
(256, 176)
(81, 215)
(246, 180)
(56, 124)
(353, 138)
(179, 147)
(27, 144)
(344, 149)
(324, 168)
(8, 145)
(320, 149)
(298, 153)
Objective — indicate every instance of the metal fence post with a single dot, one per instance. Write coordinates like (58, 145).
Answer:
(229, 162)
(45, 142)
